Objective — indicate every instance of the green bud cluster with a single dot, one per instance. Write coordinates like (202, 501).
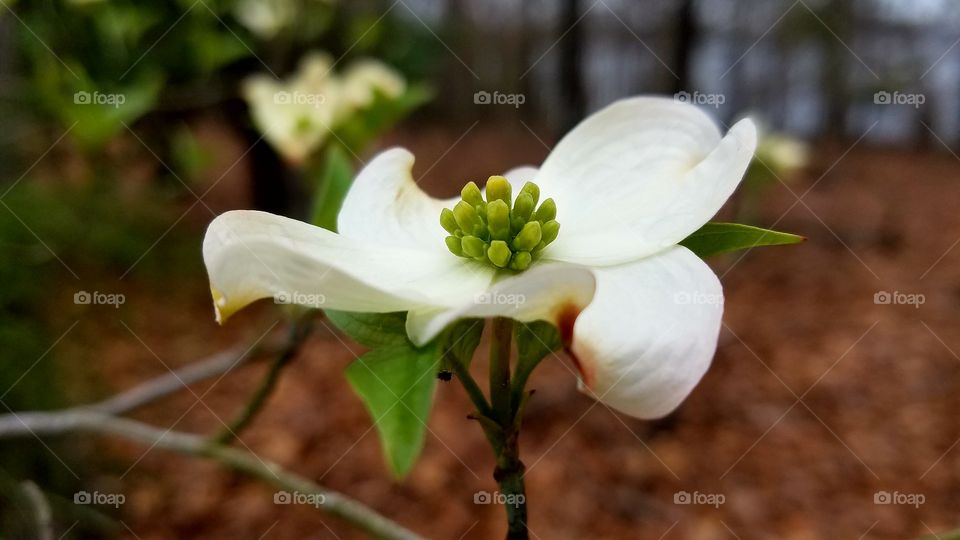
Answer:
(491, 231)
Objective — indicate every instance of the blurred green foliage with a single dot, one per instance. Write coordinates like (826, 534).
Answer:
(99, 235)
(81, 57)
(128, 80)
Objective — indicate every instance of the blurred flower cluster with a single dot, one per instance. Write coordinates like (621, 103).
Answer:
(298, 114)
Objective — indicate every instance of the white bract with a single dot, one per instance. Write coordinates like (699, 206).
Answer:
(268, 18)
(265, 18)
(363, 78)
(640, 315)
(297, 115)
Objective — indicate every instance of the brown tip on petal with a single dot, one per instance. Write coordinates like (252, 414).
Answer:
(586, 374)
(566, 317)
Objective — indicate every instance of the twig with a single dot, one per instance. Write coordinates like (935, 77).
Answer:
(174, 381)
(470, 385)
(299, 330)
(93, 421)
(43, 518)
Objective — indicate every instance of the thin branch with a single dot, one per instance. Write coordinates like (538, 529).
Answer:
(177, 380)
(470, 385)
(43, 517)
(93, 421)
(299, 331)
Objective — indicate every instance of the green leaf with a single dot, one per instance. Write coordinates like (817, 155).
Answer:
(372, 329)
(396, 384)
(331, 188)
(536, 340)
(715, 238)
(383, 113)
(98, 113)
(462, 338)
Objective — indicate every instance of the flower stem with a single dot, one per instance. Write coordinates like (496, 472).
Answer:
(500, 341)
(509, 470)
(470, 385)
(509, 475)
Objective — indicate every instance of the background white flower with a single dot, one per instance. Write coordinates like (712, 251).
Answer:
(296, 115)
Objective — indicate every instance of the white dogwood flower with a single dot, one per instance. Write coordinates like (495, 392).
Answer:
(639, 314)
(364, 77)
(297, 115)
(265, 18)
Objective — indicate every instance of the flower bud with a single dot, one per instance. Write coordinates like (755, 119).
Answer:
(528, 237)
(474, 247)
(498, 220)
(550, 231)
(499, 254)
(466, 217)
(521, 261)
(547, 211)
(471, 194)
(448, 221)
(454, 245)
(523, 207)
(498, 188)
(492, 232)
(531, 189)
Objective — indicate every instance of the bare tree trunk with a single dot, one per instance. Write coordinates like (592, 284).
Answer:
(838, 16)
(573, 97)
(686, 34)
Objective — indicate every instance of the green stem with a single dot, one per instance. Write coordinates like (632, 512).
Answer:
(470, 385)
(509, 475)
(519, 384)
(500, 341)
(299, 330)
(509, 470)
